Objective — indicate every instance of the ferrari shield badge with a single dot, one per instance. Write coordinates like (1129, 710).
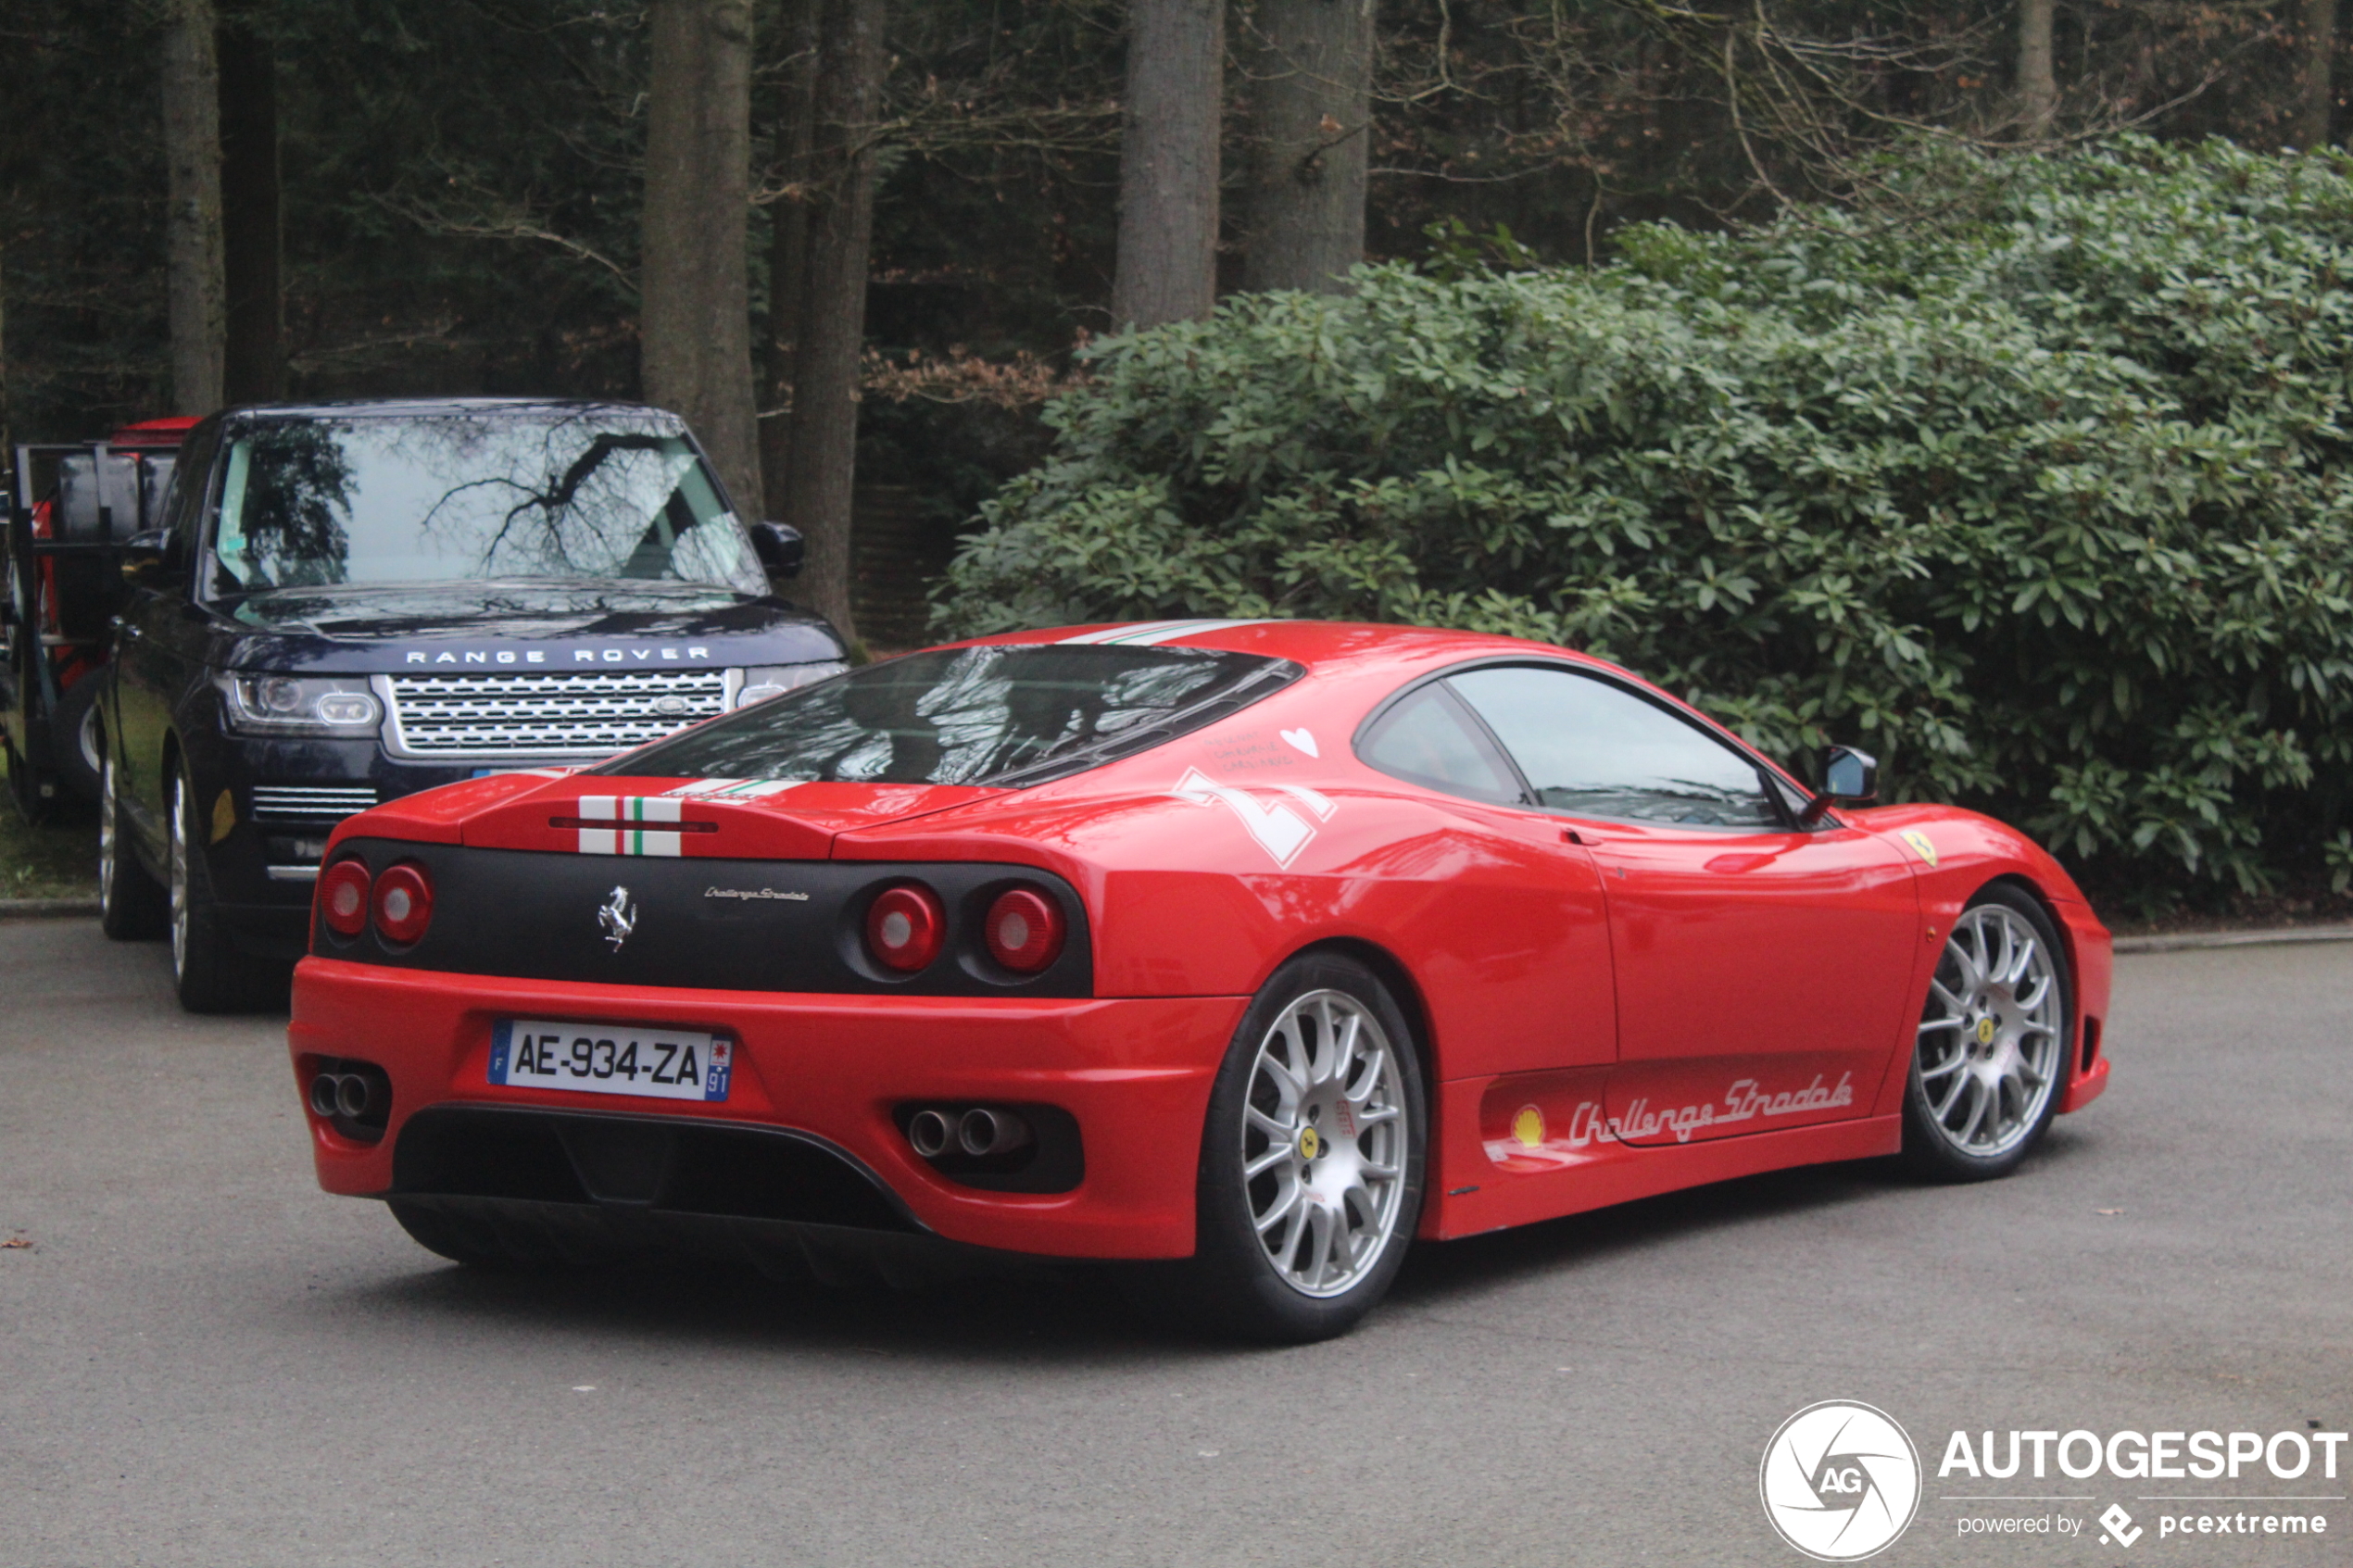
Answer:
(1920, 845)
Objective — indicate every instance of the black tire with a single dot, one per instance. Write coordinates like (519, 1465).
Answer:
(132, 905)
(1233, 1284)
(73, 732)
(1989, 1043)
(211, 972)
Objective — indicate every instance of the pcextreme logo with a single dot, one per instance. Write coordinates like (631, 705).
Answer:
(1840, 1481)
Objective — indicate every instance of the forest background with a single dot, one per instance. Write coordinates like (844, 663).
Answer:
(862, 242)
(451, 195)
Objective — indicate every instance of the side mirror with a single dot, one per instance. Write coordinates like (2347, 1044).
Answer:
(779, 546)
(145, 557)
(1849, 778)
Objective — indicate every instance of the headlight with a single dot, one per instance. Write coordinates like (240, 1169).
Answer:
(764, 680)
(299, 705)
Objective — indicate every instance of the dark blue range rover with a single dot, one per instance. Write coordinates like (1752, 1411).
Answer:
(350, 602)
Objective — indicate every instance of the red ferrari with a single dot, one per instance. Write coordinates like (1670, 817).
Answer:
(1246, 952)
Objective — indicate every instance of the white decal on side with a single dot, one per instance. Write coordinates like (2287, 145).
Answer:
(1280, 830)
(1304, 740)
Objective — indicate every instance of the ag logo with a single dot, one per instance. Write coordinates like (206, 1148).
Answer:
(1840, 1481)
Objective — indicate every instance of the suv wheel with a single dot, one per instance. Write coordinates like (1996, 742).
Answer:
(131, 903)
(211, 974)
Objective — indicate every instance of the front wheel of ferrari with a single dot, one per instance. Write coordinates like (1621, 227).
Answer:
(1312, 1159)
(1990, 1056)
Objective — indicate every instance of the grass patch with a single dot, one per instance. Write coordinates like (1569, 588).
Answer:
(58, 859)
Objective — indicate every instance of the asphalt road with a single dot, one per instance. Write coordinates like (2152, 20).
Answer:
(204, 1360)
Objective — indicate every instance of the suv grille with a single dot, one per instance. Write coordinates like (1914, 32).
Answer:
(310, 803)
(591, 714)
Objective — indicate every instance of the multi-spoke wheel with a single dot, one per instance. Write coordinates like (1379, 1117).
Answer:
(1991, 1051)
(1323, 1146)
(1312, 1157)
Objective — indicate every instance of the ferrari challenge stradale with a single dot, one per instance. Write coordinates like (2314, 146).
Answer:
(1245, 952)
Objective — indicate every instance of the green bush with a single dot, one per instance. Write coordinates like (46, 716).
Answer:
(2028, 473)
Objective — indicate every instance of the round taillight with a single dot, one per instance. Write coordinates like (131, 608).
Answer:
(343, 897)
(1023, 930)
(904, 927)
(403, 904)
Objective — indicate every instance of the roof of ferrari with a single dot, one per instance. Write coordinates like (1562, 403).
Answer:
(1331, 648)
(1316, 644)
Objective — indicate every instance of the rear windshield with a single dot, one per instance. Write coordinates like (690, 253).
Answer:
(1004, 716)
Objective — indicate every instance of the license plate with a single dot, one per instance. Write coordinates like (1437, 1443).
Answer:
(611, 1058)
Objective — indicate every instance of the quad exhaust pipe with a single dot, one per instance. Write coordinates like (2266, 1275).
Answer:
(354, 1093)
(981, 1131)
(976, 1130)
(930, 1133)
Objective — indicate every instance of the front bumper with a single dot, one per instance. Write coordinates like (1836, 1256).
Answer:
(1134, 1073)
(262, 858)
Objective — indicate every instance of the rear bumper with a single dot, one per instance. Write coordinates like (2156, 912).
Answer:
(2094, 953)
(828, 1071)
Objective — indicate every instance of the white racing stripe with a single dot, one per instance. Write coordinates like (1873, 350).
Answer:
(623, 837)
(1152, 634)
(733, 789)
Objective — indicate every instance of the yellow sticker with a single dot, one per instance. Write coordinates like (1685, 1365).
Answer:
(1984, 1031)
(1309, 1144)
(1920, 845)
(1528, 1126)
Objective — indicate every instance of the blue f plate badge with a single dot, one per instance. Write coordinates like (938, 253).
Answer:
(611, 1058)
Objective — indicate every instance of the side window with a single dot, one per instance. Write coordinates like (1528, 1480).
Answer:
(1427, 739)
(1598, 750)
(183, 501)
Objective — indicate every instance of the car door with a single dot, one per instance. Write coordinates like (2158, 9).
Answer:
(1761, 968)
(159, 646)
(1519, 946)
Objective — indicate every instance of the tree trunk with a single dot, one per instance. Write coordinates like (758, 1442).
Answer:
(2315, 90)
(192, 224)
(1167, 266)
(841, 224)
(253, 363)
(2037, 87)
(696, 302)
(796, 140)
(1311, 84)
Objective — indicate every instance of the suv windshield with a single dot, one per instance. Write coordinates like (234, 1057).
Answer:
(601, 494)
(1000, 715)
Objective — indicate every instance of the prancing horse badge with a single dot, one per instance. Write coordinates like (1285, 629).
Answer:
(618, 917)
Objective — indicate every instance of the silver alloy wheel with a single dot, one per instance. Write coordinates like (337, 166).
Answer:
(106, 831)
(179, 877)
(1323, 1142)
(1990, 1038)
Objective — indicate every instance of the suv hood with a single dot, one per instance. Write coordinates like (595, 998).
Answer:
(451, 626)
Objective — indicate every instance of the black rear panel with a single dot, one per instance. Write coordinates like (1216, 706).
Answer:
(667, 1166)
(735, 925)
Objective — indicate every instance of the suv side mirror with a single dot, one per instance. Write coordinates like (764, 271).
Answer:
(779, 547)
(146, 557)
(1849, 778)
